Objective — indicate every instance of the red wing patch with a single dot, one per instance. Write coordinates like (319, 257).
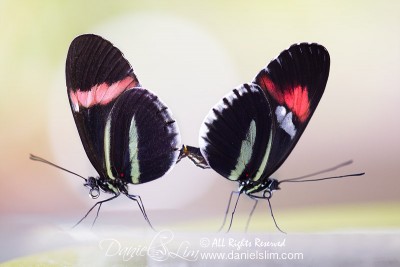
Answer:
(295, 99)
(100, 94)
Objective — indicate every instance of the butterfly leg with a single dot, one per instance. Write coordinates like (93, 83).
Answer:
(233, 212)
(139, 201)
(227, 210)
(273, 217)
(251, 213)
(99, 203)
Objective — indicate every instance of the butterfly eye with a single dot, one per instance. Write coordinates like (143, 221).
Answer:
(267, 193)
(94, 193)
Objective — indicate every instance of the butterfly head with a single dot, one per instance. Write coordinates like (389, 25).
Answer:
(262, 189)
(93, 184)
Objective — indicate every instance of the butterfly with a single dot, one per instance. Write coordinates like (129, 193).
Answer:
(127, 132)
(249, 134)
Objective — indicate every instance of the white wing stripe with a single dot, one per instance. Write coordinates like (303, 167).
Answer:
(107, 146)
(246, 150)
(265, 158)
(133, 152)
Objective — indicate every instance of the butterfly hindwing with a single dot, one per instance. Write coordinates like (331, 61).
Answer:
(237, 132)
(141, 139)
(294, 83)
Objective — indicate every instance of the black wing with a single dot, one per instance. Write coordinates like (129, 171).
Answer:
(294, 83)
(96, 74)
(237, 133)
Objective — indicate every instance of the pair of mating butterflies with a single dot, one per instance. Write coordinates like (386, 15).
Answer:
(130, 137)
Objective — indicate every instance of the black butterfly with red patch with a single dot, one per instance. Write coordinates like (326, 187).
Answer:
(128, 134)
(249, 134)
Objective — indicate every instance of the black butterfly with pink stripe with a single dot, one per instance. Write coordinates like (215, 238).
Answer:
(127, 132)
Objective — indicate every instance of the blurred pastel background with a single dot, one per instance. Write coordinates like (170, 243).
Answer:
(190, 55)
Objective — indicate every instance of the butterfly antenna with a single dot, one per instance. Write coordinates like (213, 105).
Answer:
(36, 158)
(302, 178)
(321, 179)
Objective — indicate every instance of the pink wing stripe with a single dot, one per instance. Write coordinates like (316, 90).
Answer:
(114, 90)
(101, 94)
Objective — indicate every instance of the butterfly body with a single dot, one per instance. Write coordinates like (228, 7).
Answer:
(106, 185)
(266, 187)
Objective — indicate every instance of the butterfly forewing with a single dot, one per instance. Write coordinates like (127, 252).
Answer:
(94, 61)
(294, 83)
(141, 139)
(96, 74)
(236, 134)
